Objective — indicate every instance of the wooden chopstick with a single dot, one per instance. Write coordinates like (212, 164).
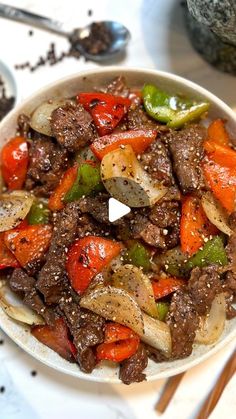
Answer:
(168, 392)
(214, 396)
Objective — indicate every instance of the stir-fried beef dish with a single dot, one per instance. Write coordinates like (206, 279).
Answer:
(149, 285)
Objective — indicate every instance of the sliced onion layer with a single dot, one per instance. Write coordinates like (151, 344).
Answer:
(157, 334)
(212, 325)
(117, 305)
(133, 280)
(40, 119)
(126, 180)
(14, 207)
(216, 213)
(14, 307)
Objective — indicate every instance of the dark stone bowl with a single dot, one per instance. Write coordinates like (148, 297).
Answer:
(220, 54)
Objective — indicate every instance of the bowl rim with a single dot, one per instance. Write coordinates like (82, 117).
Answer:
(138, 70)
(110, 71)
(115, 380)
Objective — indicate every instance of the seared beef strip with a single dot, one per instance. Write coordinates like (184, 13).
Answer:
(231, 249)
(87, 330)
(34, 266)
(158, 227)
(72, 126)
(85, 339)
(118, 87)
(21, 282)
(34, 301)
(87, 225)
(138, 119)
(131, 369)
(183, 320)
(204, 284)
(69, 224)
(155, 354)
(229, 283)
(52, 280)
(23, 127)
(173, 237)
(153, 236)
(232, 221)
(187, 152)
(231, 253)
(47, 163)
(142, 228)
(165, 214)
(157, 163)
(123, 230)
(230, 299)
(96, 206)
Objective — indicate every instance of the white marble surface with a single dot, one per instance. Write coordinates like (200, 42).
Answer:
(158, 41)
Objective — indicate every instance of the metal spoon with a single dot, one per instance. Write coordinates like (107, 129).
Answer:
(120, 34)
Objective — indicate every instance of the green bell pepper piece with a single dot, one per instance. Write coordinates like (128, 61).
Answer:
(172, 110)
(39, 213)
(162, 309)
(172, 261)
(138, 255)
(88, 181)
(212, 252)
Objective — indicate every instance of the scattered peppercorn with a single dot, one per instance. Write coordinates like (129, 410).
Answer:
(90, 12)
(2, 389)
(98, 41)
(51, 57)
(33, 373)
(31, 33)
(1, 341)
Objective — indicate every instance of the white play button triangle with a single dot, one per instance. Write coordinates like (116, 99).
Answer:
(116, 209)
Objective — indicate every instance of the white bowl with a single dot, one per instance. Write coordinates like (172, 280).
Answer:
(68, 87)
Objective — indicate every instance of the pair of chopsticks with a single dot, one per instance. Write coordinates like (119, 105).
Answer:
(212, 399)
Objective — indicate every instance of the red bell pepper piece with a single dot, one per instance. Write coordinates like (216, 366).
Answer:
(222, 182)
(14, 161)
(106, 110)
(223, 155)
(24, 223)
(166, 286)
(87, 257)
(116, 331)
(57, 338)
(55, 202)
(28, 243)
(7, 259)
(138, 139)
(194, 226)
(120, 343)
(118, 351)
(216, 132)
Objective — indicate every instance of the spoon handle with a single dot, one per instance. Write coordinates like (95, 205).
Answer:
(33, 19)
